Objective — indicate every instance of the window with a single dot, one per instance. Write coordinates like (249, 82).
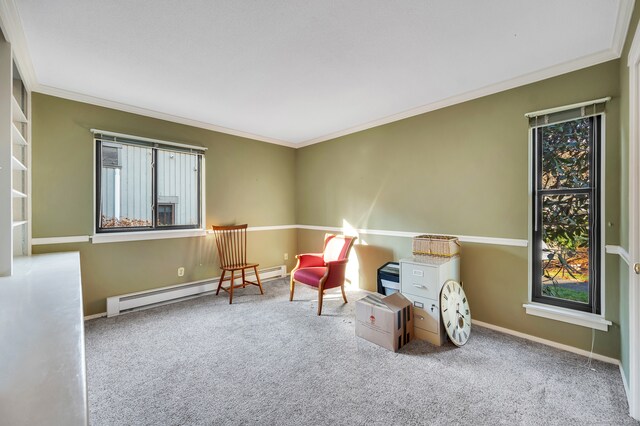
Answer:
(111, 155)
(144, 185)
(566, 211)
(165, 214)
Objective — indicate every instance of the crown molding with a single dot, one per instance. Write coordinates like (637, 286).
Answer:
(556, 70)
(563, 68)
(11, 22)
(566, 67)
(617, 44)
(93, 100)
(633, 57)
(622, 26)
(12, 25)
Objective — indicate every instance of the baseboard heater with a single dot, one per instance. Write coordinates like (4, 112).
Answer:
(117, 305)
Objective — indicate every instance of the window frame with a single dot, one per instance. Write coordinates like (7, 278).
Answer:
(105, 138)
(596, 219)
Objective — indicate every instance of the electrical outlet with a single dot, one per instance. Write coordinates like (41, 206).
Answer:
(286, 256)
(181, 271)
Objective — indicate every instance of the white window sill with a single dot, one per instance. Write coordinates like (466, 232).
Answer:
(118, 237)
(570, 316)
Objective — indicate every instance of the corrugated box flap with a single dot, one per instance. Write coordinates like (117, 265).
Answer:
(396, 301)
(374, 299)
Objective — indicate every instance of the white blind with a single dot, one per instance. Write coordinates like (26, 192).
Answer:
(106, 136)
(566, 113)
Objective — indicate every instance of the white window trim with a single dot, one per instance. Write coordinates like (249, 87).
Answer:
(634, 226)
(585, 319)
(571, 316)
(117, 237)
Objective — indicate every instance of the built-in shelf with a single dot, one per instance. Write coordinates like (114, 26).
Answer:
(15, 176)
(17, 137)
(17, 164)
(18, 194)
(16, 111)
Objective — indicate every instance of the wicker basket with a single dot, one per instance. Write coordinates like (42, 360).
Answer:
(436, 245)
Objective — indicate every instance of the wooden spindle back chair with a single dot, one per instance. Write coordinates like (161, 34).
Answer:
(232, 250)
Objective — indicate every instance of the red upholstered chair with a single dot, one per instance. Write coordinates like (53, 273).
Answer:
(324, 270)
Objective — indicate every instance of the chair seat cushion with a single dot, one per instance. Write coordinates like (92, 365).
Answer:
(310, 276)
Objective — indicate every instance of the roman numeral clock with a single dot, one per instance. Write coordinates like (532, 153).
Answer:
(455, 312)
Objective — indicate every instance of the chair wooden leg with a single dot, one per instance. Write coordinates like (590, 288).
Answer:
(344, 296)
(320, 296)
(292, 288)
(255, 268)
(220, 283)
(231, 288)
(244, 281)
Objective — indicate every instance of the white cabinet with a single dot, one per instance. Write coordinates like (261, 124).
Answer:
(15, 162)
(421, 280)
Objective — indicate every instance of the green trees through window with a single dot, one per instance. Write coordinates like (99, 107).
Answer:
(566, 202)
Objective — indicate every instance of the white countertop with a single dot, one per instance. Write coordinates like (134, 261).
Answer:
(42, 363)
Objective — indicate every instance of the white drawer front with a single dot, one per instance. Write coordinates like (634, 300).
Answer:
(420, 280)
(426, 313)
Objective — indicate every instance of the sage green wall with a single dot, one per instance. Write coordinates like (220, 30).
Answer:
(247, 181)
(463, 170)
(459, 170)
(624, 192)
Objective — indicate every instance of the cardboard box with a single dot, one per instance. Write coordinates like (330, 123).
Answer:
(385, 321)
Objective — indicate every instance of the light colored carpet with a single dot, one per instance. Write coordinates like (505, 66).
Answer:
(264, 360)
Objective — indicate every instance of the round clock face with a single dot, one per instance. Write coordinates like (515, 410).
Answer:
(455, 312)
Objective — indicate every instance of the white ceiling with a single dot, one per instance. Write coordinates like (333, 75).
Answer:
(299, 72)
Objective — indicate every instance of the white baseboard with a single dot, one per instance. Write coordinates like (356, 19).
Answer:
(624, 382)
(94, 316)
(547, 342)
